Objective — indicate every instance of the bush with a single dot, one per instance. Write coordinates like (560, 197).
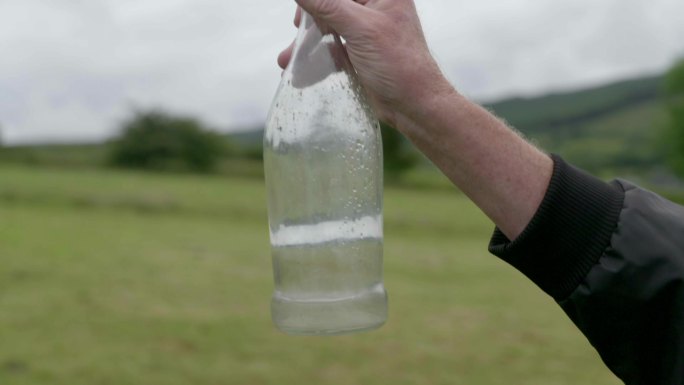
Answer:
(399, 157)
(674, 91)
(155, 140)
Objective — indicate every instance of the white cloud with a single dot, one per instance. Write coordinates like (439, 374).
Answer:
(526, 46)
(72, 68)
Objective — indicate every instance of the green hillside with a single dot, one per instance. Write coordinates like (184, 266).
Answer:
(614, 127)
(559, 109)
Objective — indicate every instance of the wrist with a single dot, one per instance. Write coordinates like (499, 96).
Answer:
(427, 106)
(427, 91)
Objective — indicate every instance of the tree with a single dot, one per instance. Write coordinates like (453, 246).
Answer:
(156, 140)
(674, 92)
(398, 156)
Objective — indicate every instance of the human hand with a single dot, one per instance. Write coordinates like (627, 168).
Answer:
(386, 45)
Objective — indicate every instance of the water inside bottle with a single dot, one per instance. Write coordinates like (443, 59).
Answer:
(328, 277)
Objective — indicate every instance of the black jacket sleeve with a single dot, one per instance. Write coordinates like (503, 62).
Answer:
(612, 256)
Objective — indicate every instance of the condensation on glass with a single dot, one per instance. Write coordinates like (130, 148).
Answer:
(323, 165)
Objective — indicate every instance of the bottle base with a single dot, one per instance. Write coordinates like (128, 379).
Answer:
(330, 317)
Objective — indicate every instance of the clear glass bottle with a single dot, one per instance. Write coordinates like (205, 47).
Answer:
(323, 165)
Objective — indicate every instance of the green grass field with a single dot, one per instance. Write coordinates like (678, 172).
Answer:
(131, 278)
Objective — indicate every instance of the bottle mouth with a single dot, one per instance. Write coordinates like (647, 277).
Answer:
(309, 22)
(318, 53)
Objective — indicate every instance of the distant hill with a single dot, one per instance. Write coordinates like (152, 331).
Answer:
(611, 127)
(250, 138)
(564, 109)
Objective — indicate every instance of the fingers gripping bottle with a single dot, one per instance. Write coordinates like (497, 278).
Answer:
(323, 166)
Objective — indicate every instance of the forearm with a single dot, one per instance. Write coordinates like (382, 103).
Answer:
(497, 169)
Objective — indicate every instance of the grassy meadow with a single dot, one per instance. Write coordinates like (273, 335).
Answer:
(111, 277)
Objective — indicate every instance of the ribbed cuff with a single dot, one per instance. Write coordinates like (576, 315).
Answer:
(568, 234)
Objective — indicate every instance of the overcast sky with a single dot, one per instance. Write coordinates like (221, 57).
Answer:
(73, 69)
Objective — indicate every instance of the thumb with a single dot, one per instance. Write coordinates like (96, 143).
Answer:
(341, 15)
